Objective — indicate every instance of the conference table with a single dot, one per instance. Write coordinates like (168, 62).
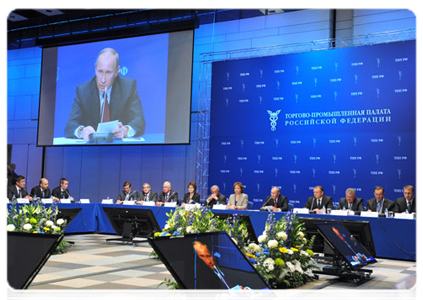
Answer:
(393, 238)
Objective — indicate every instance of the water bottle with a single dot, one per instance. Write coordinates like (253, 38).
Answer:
(13, 199)
(343, 208)
(406, 211)
(323, 210)
(386, 212)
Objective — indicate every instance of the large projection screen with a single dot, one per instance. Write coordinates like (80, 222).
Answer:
(150, 92)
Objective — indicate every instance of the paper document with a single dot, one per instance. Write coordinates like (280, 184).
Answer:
(107, 127)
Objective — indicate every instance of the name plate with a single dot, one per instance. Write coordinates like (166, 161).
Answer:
(301, 211)
(339, 212)
(22, 200)
(404, 216)
(129, 202)
(369, 214)
(84, 201)
(219, 206)
(47, 201)
(149, 203)
(170, 204)
(65, 201)
(107, 201)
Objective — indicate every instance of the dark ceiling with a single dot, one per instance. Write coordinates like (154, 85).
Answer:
(41, 27)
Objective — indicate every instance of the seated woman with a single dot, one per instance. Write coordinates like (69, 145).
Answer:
(191, 197)
(239, 200)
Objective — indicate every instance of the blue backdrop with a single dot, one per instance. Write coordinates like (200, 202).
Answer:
(141, 58)
(338, 118)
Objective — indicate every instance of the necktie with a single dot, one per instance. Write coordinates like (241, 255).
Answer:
(319, 204)
(409, 206)
(146, 197)
(349, 205)
(42, 192)
(106, 112)
(19, 193)
(275, 203)
(127, 197)
(166, 197)
(379, 206)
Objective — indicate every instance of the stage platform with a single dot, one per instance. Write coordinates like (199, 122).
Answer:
(92, 264)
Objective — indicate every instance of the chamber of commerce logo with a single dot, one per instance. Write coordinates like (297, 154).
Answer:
(123, 71)
(273, 117)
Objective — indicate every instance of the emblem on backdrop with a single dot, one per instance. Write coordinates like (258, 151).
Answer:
(123, 71)
(399, 140)
(354, 173)
(273, 117)
(399, 173)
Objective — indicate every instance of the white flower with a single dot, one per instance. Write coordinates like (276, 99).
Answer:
(300, 234)
(290, 266)
(167, 226)
(282, 236)
(27, 226)
(272, 244)
(49, 223)
(298, 267)
(303, 253)
(10, 227)
(60, 222)
(270, 267)
(262, 238)
(189, 229)
(253, 247)
(268, 261)
(27, 220)
(290, 252)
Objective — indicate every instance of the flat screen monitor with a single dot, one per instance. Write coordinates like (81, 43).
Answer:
(68, 214)
(207, 261)
(250, 228)
(143, 219)
(359, 229)
(343, 242)
(145, 81)
(26, 255)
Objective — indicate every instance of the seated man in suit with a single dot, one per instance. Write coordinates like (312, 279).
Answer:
(238, 200)
(167, 195)
(42, 190)
(215, 198)
(18, 190)
(146, 194)
(379, 203)
(319, 200)
(62, 191)
(106, 97)
(408, 202)
(127, 194)
(277, 201)
(351, 202)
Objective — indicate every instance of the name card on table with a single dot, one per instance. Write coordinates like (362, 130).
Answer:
(404, 216)
(107, 201)
(170, 204)
(301, 211)
(65, 201)
(219, 206)
(47, 201)
(149, 203)
(84, 201)
(23, 200)
(338, 212)
(129, 202)
(369, 214)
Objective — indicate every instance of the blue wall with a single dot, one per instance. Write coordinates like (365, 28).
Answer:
(97, 172)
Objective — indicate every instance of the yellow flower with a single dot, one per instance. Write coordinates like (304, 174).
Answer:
(279, 262)
(294, 249)
(250, 255)
(283, 250)
(34, 232)
(46, 229)
(310, 252)
(298, 246)
(168, 234)
(157, 233)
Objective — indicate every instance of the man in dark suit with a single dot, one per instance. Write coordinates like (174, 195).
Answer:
(106, 97)
(127, 194)
(167, 195)
(351, 202)
(408, 202)
(215, 198)
(11, 175)
(147, 194)
(41, 191)
(277, 201)
(62, 191)
(319, 200)
(379, 203)
(18, 190)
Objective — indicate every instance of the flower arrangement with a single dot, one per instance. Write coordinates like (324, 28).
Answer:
(199, 220)
(283, 255)
(36, 218)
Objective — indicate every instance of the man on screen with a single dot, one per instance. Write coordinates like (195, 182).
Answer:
(106, 97)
